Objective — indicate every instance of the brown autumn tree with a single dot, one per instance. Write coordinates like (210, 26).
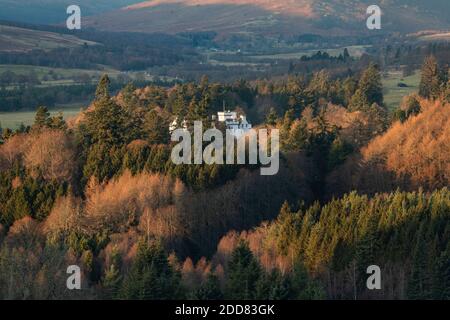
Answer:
(65, 218)
(409, 155)
(52, 154)
(121, 202)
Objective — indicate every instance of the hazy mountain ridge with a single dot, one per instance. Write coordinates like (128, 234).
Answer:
(53, 11)
(267, 17)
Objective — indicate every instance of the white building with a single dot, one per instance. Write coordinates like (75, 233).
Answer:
(238, 126)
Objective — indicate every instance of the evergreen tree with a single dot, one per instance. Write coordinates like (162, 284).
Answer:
(210, 290)
(271, 118)
(419, 282)
(243, 274)
(108, 122)
(346, 54)
(129, 98)
(42, 118)
(366, 249)
(102, 91)
(285, 129)
(58, 122)
(156, 128)
(430, 82)
(273, 286)
(298, 136)
(151, 277)
(370, 89)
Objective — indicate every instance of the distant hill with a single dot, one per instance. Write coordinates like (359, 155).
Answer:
(22, 39)
(53, 11)
(267, 17)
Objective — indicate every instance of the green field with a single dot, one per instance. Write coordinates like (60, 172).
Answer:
(57, 76)
(13, 120)
(60, 76)
(393, 94)
(20, 39)
(355, 51)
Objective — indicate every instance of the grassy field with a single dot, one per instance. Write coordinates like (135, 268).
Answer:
(393, 94)
(44, 74)
(62, 76)
(20, 39)
(13, 120)
(355, 51)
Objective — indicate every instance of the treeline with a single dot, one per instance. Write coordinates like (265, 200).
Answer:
(123, 51)
(30, 97)
(405, 234)
(410, 57)
(306, 253)
(26, 96)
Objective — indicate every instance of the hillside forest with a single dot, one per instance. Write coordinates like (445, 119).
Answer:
(358, 185)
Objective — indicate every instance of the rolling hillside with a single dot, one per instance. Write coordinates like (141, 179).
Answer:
(53, 11)
(268, 17)
(21, 39)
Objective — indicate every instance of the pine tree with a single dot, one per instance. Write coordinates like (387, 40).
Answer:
(129, 98)
(346, 54)
(102, 91)
(111, 282)
(243, 273)
(42, 118)
(370, 89)
(430, 82)
(58, 122)
(151, 276)
(273, 286)
(285, 129)
(156, 128)
(366, 249)
(298, 136)
(210, 290)
(108, 123)
(271, 118)
(418, 285)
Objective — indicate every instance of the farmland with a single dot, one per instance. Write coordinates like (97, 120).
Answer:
(393, 93)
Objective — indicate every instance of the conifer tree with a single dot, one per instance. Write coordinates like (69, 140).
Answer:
(58, 122)
(243, 273)
(419, 282)
(156, 128)
(108, 122)
(210, 289)
(370, 89)
(271, 118)
(151, 276)
(102, 91)
(430, 82)
(42, 118)
(273, 286)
